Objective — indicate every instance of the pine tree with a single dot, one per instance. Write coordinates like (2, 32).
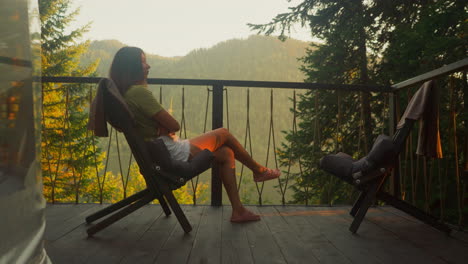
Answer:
(68, 154)
(332, 121)
(364, 42)
(428, 35)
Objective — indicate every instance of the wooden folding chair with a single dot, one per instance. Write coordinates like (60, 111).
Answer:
(161, 174)
(369, 173)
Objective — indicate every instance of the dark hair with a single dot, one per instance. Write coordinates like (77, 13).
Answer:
(126, 69)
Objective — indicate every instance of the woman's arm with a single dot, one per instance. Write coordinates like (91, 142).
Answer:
(167, 124)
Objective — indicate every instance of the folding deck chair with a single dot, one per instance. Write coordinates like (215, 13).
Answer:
(369, 173)
(161, 173)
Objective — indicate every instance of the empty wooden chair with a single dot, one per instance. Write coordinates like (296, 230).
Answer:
(369, 173)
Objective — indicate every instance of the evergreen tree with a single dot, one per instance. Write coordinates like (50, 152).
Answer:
(364, 42)
(426, 35)
(68, 154)
(331, 120)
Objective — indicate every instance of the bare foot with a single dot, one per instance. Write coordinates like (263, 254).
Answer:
(244, 216)
(267, 174)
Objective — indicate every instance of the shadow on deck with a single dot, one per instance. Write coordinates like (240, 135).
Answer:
(286, 234)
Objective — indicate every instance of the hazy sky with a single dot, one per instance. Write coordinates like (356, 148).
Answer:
(175, 27)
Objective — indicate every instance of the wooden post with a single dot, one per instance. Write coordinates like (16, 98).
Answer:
(395, 177)
(217, 122)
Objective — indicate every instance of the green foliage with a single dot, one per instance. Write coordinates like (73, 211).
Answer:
(427, 37)
(329, 120)
(67, 156)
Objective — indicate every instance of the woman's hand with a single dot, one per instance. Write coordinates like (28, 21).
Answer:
(166, 122)
(163, 131)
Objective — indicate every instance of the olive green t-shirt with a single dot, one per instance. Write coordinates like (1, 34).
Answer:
(143, 105)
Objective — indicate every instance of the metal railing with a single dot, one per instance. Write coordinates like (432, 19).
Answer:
(438, 186)
(219, 89)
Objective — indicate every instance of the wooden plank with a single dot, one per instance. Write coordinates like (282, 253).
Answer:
(76, 247)
(179, 245)
(61, 212)
(69, 249)
(460, 235)
(114, 241)
(54, 211)
(66, 219)
(150, 243)
(263, 244)
(72, 247)
(207, 244)
(386, 235)
(291, 244)
(335, 229)
(386, 245)
(433, 242)
(235, 246)
(315, 241)
(400, 213)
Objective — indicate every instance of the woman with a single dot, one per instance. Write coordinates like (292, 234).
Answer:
(129, 71)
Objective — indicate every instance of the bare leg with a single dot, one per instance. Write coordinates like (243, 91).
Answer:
(226, 149)
(213, 140)
(224, 156)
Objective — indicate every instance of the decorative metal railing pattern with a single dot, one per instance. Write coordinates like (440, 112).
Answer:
(114, 148)
(439, 186)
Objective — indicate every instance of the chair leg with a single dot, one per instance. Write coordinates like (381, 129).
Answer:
(164, 206)
(116, 206)
(172, 201)
(163, 188)
(364, 207)
(179, 213)
(357, 204)
(119, 215)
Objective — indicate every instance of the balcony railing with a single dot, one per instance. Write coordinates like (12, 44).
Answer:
(438, 186)
(265, 113)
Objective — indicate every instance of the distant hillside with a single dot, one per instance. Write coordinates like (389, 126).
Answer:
(258, 58)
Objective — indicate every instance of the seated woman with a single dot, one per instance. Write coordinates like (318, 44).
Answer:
(129, 71)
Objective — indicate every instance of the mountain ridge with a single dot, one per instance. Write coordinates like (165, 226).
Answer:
(256, 58)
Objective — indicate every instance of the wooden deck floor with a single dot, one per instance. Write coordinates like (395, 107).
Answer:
(286, 234)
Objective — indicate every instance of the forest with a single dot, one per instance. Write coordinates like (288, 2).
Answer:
(363, 42)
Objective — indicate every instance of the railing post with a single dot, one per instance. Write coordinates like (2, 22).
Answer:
(217, 122)
(395, 177)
